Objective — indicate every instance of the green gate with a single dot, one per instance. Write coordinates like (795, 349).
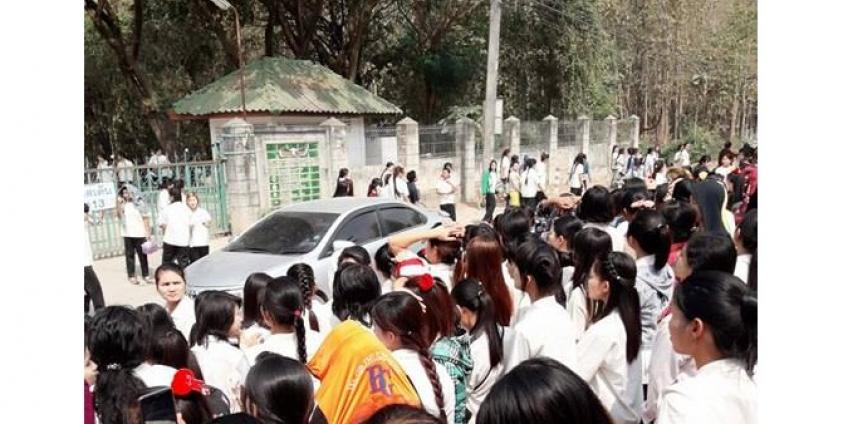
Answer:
(206, 178)
(292, 169)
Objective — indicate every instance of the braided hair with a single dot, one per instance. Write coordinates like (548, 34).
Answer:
(401, 314)
(618, 268)
(303, 274)
(283, 302)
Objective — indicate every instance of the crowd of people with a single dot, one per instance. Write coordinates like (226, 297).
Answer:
(626, 305)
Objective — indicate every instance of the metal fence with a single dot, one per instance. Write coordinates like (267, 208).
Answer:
(205, 178)
(567, 135)
(437, 141)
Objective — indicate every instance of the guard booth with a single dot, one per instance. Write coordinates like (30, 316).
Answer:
(302, 123)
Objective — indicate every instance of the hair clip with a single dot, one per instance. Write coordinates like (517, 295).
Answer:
(185, 382)
(297, 313)
(415, 296)
(649, 204)
(113, 366)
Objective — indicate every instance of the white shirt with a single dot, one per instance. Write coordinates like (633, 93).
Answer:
(601, 361)
(445, 192)
(401, 188)
(529, 183)
(482, 377)
(412, 366)
(722, 171)
(543, 329)
(163, 201)
(176, 217)
(124, 170)
(541, 172)
(132, 221)
(721, 392)
(445, 273)
(661, 178)
(578, 311)
(286, 344)
(682, 158)
(505, 167)
(105, 174)
(184, 316)
(155, 375)
(576, 176)
(742, 267)
(666, 368)
(223, 366)
(199, 234)
(323, 314)
(618, 238)
(567, 281)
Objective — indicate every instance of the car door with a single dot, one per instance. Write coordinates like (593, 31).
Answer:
(397, 218)
(361, 228)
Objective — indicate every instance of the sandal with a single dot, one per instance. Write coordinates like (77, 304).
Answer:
(134, 281)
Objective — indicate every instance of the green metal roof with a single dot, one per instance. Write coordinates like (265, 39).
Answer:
(279, 85)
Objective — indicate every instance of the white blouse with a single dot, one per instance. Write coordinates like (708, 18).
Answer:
(176, 218)
(742, 267)
(666, 368)
(154, 375)
(184, 316)
(412, 366)
(286, 344)
(721, 392)
(482, 377)
(132, 221)
(224, 366)
(578, 311)
(601, 361)
(543, 329)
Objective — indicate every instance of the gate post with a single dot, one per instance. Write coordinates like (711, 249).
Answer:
(337, 155)
(407, 135)
(551, 124)
(512, 135)
(469, 181)
(238, 149)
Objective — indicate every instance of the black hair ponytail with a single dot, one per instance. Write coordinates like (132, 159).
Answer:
(282, 300)
(469, 294)
(303, 274)
(618, 268)
(728, 308)
(117, 341)
(652, 233)
(749, 237)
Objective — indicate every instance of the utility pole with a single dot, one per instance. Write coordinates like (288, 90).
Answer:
(491, 81)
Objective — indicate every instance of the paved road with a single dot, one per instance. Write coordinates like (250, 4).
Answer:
(118, 291)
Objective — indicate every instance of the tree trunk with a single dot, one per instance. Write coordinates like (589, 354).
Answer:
(109, 30)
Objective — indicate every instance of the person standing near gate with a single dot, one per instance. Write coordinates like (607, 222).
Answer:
(105, 174)
(445, 189)
(124, 170)
(135, 230)
(93, 288)
(200, 222)
(345, 186)
(175, 222)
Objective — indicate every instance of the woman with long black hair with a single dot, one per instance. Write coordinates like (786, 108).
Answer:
(715, 320)
(345, 185)
(477, 316)
(542, 391)
(746, 241)
(709, 199)
(607, 350)
(278, 390)
(399, 323)
(282, 307)
(588, 245)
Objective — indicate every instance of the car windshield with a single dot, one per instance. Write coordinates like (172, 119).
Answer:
(285, 233)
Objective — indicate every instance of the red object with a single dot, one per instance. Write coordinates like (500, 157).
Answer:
(297, 313)
(185, 382)
(425, 282)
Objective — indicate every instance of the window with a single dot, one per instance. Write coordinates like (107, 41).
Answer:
(285, 233)
(395, 219)
(360, 229)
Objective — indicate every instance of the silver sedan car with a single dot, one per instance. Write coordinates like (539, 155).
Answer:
(309, 232)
